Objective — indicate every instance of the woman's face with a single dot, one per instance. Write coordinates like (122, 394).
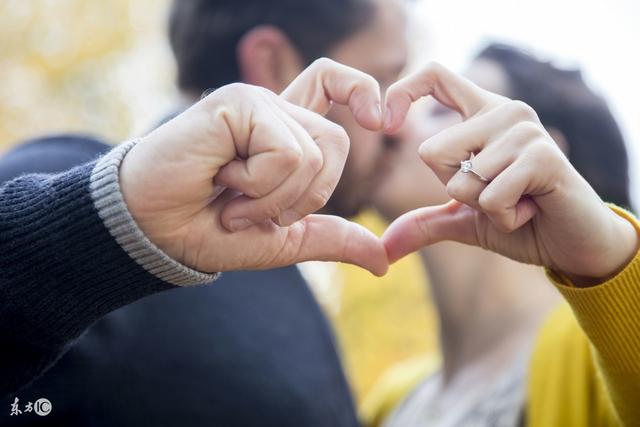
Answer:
(411, 184)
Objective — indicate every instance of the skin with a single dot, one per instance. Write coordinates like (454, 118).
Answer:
(528, 210)
(484, 318)
(268, 58)
(187, 202)
(181, 216)
(372, 153)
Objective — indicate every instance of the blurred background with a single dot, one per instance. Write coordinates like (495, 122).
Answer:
(105, 69)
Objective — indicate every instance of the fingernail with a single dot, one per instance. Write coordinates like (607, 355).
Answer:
(289, 217)
(422, 150)
(387, 118)
(239, 224)
(376, 110)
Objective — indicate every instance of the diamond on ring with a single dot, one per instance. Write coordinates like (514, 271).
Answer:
(466, 166)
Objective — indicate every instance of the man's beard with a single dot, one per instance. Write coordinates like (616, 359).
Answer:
(350, 198)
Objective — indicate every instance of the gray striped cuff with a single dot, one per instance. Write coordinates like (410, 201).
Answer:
(108, 200)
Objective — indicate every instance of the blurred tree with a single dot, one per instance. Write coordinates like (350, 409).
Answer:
(101, 67)
(61, 65)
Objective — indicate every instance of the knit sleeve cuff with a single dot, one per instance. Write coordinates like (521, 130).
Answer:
(111, 207)
(609, 312)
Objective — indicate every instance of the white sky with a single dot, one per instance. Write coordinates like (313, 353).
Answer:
(599, 36)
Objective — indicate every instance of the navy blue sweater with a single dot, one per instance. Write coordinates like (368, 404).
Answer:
(251, 349)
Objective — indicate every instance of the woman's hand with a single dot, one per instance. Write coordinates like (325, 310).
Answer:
(228, 184)
(521, 198)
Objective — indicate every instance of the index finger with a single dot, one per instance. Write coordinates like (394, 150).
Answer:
(326, 81)
(445, 86)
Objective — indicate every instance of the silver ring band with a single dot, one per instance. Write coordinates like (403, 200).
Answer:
(466, 166)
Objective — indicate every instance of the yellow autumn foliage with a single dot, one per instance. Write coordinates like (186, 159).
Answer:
(383, 321)
(96, 67)
(61, 64)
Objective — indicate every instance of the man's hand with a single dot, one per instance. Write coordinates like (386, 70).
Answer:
(229, 184)
(533, 207)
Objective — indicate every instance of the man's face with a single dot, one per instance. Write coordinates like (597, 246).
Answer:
(411, 184)
(380, 50)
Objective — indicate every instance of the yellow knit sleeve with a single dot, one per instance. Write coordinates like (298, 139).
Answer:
(609, 316)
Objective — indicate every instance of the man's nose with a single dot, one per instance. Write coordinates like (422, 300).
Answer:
(407, 133)
(391, 142)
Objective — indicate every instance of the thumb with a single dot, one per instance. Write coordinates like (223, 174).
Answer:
(426, 226)
(326, 81)
(331, 238)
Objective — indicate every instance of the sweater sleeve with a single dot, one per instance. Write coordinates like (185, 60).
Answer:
(609, 315)
(70, 252)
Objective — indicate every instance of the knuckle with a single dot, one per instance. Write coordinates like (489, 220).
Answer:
(432, 68)
(234, 89)
(522, 110)
(542, 154)
(337, 133)
(263, 91)
(255, 192)
(431, 152)
(255, 188)
(504, 223)
(524, 131)
(456, 189)
(370, 82)
(433, 73)
(259, 188)
(315, 161)
(319, 198)
(322, 64)
(489, 202)
(238, 91)
(528, 128)
(341, 140)
(291, 157)
(508, 226)
(272, 211)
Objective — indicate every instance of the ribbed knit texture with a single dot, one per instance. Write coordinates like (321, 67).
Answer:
(108, 199)
(60, 267)
(610, 311)
(199, 356)
(585, 370)
(609, 315)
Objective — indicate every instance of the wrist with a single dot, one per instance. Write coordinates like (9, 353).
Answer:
(626, 244)
(107, 190)
(623, 248)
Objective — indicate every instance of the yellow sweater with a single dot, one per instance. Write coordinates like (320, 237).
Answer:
(585, 368)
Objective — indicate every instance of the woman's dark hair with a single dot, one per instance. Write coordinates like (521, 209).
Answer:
(564, 101)
(204, 34)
